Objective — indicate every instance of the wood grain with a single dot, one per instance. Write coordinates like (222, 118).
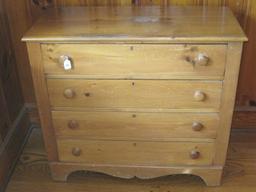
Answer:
(228, 101)
(244, 119)
(137, 126)
(42, 99)
(210, 175)
(135, 94)
(151, 61)
(32, 173)
(126, 24)
(28, 12)
(80, 94)
(135, 153)
(247, 82)
(9, 79)
(244, 10)
(14, 122)
(20, 20)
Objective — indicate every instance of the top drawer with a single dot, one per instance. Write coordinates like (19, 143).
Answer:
(136, 60)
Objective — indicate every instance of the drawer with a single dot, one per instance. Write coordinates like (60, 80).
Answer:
(135, 153)
(127, 61)
(164, 94)
(138, 126)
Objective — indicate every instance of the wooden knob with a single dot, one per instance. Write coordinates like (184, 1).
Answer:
(194, 154)
(199, 96)
(69, 93)
(76, 151)
(196, 126)
(73, 124)
(201, 59)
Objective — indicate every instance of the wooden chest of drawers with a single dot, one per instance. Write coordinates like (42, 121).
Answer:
(136, 91)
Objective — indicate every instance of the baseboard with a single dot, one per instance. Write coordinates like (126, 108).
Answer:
(12, 146)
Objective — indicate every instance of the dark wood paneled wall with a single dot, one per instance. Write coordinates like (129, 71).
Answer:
(20, 20)
(12, 99)
(247, 83)
(14, 122)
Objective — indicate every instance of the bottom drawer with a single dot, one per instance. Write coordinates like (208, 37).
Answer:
(135, 153)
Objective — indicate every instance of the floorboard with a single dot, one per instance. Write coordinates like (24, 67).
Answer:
(32, 173)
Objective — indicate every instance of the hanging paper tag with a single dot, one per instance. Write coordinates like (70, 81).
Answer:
(67, 64)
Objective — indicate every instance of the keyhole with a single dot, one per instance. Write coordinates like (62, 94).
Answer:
(131, 48)
(134, 116)
(133, 83)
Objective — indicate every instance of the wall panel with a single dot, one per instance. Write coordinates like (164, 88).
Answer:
(19, 21)
(247, 80)
(13, 119)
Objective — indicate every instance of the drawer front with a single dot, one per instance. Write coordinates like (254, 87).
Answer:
(148, 61)
(164, 94)
(135, 153)
(137, 126)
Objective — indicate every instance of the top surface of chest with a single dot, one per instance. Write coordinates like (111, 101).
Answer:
(137, 24)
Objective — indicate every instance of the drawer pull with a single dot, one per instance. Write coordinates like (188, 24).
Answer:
(196, 126)
(199, 96)
(76, 151)
(69, 93)
(194, 154)
(66, 62)
(73, 124)
(201, 60)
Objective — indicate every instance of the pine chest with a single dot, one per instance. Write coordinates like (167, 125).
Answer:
(136, 91)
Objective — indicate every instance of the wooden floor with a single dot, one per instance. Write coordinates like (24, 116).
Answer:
(32, 173)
